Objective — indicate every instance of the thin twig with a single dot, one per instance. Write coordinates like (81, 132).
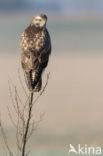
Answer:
(35, 126)
(22, 83)
(42, 89)
(24, 129)
(27, 125)
(11, 95)
(5, 139)
(11, 118)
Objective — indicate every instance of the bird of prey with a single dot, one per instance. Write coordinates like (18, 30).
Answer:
(36, 48)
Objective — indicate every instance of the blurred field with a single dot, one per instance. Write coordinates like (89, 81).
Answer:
(70, 34)
(73, 102)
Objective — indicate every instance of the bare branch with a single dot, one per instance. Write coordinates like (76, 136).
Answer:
(27, 125)
(27, 153)
(5, 139)
(23, 123)
(42, 89)
(35, 126)
(11, 118)
(11, 95)
(22, 83)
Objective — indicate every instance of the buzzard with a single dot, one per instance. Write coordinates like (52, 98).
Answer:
(36, 48)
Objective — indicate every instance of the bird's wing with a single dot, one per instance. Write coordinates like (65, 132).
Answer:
(29, 53)
(44, 56)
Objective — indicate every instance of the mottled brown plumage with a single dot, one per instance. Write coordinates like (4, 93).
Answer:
(36, 48)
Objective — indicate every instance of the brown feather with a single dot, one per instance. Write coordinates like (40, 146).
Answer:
(36, 48)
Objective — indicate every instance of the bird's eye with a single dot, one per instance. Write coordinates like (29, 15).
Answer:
(39, 20)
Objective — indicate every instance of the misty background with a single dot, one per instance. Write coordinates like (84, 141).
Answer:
(73, 101)
(59, 6)
(76, 26)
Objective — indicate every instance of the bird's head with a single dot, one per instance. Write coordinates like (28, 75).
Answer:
(39, 21)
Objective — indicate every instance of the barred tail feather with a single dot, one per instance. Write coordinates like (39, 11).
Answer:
(38, 86)
(33, 81)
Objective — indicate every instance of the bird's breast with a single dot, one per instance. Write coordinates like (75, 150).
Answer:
(39, 42)
(33, 42)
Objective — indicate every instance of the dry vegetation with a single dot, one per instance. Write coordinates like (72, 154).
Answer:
(24, 124)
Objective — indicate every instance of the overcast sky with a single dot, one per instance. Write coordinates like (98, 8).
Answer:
(58, 5)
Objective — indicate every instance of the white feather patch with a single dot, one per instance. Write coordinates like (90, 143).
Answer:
(25, 48)
(33, 75)
(38, 17)
(26, 60)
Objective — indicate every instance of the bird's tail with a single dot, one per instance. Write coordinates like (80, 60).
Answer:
(33, 80)
(38, 86)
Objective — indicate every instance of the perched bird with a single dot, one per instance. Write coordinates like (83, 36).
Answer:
(36, 48)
